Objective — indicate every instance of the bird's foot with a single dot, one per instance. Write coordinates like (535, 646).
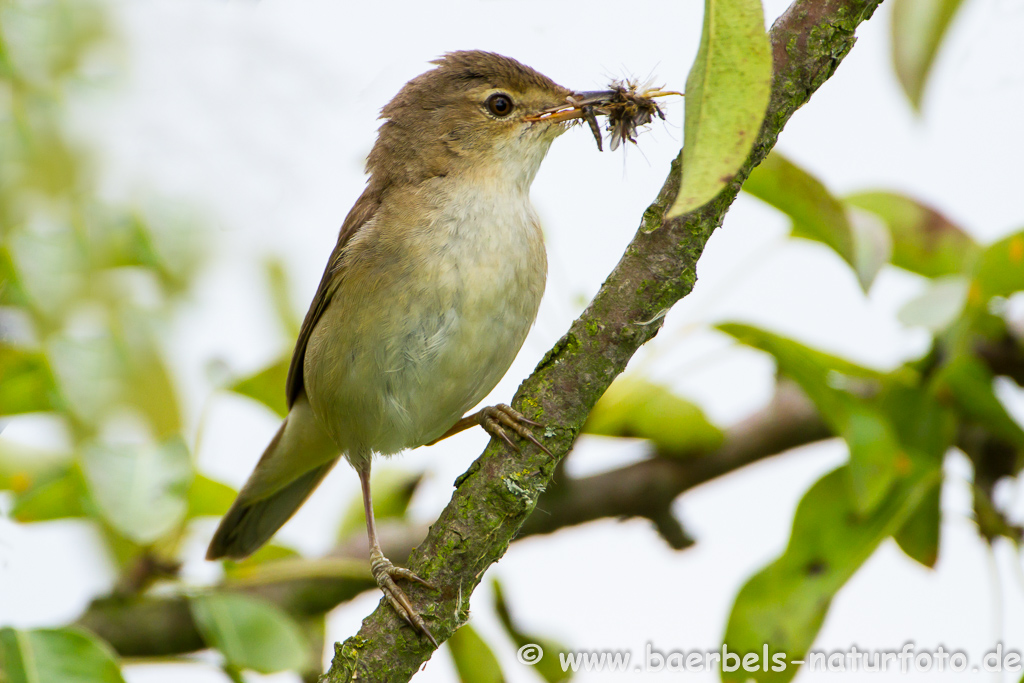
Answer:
(494, 419)
(385, 574)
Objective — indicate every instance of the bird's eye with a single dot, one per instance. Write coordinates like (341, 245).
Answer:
(499, 104)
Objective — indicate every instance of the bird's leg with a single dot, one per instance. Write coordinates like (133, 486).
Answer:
(384, 572)
(494, 419)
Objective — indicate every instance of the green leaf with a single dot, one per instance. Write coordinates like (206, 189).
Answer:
(815, 213)
(727, 95)
(547, 667)
(938, 306)
(1001, 268)
(874, 448)
(474, 661)
(141, 491)
(148, 384)
(784, 604)
(11, 291)
(924, 241)
(641, 409)
(209, 498)
(919, 535)
(392, 490)
(290, 321)
(26, 382)
(969, 383)
(268, 553)
(67, 655)
(918, 27)
(874, 455)
(267, 386)
(250, 633)
(57, 496)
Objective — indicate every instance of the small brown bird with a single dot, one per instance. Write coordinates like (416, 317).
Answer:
(426, 299)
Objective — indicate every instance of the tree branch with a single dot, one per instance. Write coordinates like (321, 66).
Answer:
(500, 490)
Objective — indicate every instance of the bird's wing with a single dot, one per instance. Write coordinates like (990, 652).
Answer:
(363, 210)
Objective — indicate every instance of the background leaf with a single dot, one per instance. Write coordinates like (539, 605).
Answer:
(209, 498)
(919, 536)
(874, 448)
(938, 306)
(1000, 270)
(785, 603)
(924, 241)
(66, 655)
(26, 382)
(474, 661)
(392, 490)
(57, 495)
(815, 213)
(141, 491)
(727, 94)
(267, 386)
(250, 633)
(918, 27)
(641, 409)
(548, 667)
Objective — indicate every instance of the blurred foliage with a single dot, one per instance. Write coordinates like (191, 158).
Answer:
(88, 291)
(250, 633)
(66, 655)
(641, 409)
(918, 27)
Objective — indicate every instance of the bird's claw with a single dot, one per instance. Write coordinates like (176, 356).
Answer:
(385, 574)
(496, 418)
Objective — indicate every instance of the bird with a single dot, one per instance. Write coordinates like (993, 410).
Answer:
(426, 299)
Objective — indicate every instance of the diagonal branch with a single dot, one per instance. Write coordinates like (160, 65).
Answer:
(495, 497)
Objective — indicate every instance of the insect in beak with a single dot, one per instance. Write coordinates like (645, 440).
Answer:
(627, 106)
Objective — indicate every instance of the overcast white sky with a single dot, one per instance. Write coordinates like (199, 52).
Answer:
(259, 115)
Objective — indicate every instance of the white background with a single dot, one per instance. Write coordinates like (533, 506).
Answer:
(258, 116)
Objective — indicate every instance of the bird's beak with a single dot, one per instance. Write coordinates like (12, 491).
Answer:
(577, 106)
(627, 107)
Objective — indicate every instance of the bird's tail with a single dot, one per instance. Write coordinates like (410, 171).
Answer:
(297, 459)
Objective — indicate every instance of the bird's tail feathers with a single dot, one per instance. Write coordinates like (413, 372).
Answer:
(297, 459)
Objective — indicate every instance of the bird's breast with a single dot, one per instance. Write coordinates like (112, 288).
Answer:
(427, 318)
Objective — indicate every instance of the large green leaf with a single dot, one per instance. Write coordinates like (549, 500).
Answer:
(783, 606)
(639, 408)
(924, 241)
(474, 660)
(918, 27)
(67, 655)
(819, 216)
(727, 94)
(250, 633)
(26, 382)
(874, 449)
(1001, 267)
(547, 665)
(267, 386)
(141, 491)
